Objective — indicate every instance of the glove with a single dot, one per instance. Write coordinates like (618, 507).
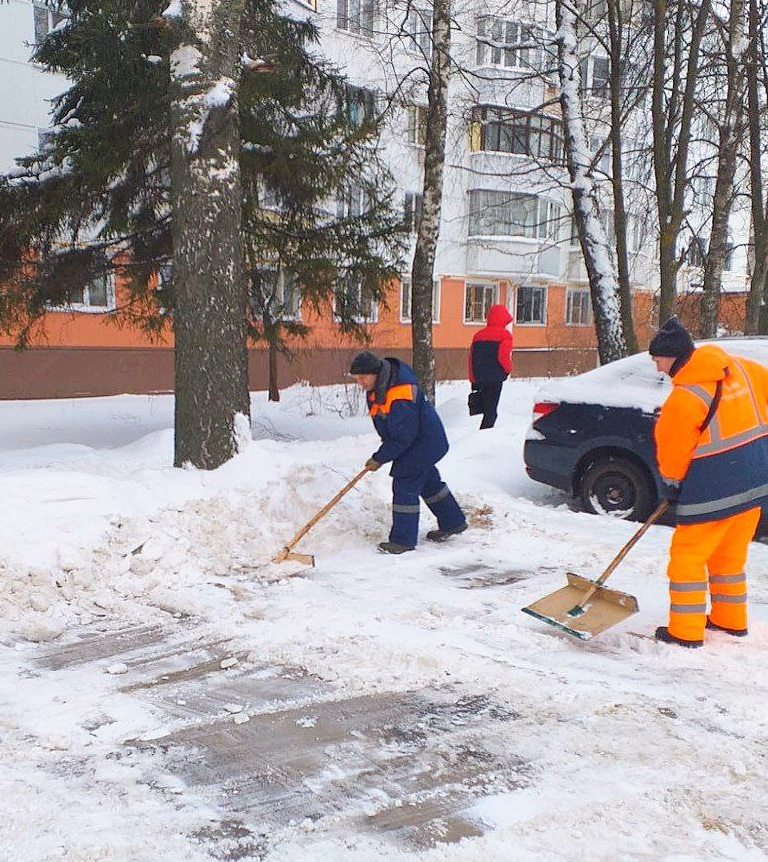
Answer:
(372, 465)
(672, 493)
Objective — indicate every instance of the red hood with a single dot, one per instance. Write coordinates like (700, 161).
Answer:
(498, 315)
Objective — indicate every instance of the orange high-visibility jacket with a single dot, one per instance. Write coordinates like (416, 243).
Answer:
(724, 469)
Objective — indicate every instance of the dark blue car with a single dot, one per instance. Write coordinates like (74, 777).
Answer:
(592, 435)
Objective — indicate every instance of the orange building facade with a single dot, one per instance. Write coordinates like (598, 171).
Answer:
(84, 351)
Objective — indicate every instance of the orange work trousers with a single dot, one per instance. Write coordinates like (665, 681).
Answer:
(710, 555)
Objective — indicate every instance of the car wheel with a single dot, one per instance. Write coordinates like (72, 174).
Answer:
(616, 486)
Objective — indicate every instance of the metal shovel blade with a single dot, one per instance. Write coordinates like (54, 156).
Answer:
(604, 609)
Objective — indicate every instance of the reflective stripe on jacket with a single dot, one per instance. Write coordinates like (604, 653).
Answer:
(412, 435)
(724, 469)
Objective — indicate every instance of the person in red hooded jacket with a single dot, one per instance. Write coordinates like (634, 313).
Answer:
(490, 361)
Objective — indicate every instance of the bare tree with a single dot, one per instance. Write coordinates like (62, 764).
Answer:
(428, 229)
(209, 316)
(592, 237)
(757, 89)
(678, 32)
(730, 136)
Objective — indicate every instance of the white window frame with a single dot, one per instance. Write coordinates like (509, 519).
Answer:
(417, 27)
(538, 287)
(278, 301)
(496, 55)
(405, 299)
(416, 125)
(351, 17)
(413, 203)
(587, 70)
(548, 215)
(362, 319)
(494, 286)
(85, 306)
(582, 292)
(352, 202)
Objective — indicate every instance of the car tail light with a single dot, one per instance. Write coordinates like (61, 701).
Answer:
(542, 409)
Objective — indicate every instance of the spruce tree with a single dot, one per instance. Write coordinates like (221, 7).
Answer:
(100, 197)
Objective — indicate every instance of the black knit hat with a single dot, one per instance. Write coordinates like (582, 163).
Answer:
(673, 339)
(366, 363)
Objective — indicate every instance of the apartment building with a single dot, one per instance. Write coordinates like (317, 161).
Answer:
(506, 233)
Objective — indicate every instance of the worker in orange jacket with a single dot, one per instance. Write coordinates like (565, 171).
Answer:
(712, 451)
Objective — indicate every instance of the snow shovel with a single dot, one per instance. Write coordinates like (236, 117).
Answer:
(288, 553)
(585, 608)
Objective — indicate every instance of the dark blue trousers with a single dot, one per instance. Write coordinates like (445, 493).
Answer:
(405, 506)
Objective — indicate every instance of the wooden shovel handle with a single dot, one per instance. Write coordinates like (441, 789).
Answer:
(655, 515)
(324, 511)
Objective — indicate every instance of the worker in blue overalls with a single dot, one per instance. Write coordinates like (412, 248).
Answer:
(413, 440)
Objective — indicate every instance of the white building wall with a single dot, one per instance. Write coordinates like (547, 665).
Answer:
(26, 90)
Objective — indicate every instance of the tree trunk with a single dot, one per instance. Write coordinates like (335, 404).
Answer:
(428, 232)
(209, 314)
(618, 100)
(594, 243)
(755, 59)
(730, 137)
(675, 75)
(274, 389)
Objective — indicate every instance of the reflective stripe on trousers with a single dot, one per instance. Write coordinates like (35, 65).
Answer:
(714, 555)
(405, 505)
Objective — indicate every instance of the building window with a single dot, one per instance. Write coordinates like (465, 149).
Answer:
(278, 294)
(412, 211)
(508, 43)
(697, 252)
(417, 125)
(352, 203)
(418, 29)
(495, 213)
(267, 197)
(97, 295)
(504, 131)
(357, 16)
(595, 77)
(45, 20)
(353, 301)
(531, 304)
(405, 299)
(578, 307)
(360, 105)
(601, 150)
(728, 264)
(478, 299)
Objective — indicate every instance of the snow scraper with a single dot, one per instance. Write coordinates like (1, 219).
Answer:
(585, 608)
(288, 553)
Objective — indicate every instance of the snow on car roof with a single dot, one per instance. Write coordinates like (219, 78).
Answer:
(634, 381)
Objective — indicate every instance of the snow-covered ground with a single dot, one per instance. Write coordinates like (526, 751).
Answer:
(369, 702)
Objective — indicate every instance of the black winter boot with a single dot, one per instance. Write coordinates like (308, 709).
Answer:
(442, 535)
(393, 548)
(737, 633)
(663, 635)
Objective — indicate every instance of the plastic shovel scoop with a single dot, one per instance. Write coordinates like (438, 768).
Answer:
(585, 608)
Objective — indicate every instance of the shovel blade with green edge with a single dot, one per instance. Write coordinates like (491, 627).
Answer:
(586, 608)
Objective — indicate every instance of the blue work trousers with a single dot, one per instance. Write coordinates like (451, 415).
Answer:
(406, 491)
